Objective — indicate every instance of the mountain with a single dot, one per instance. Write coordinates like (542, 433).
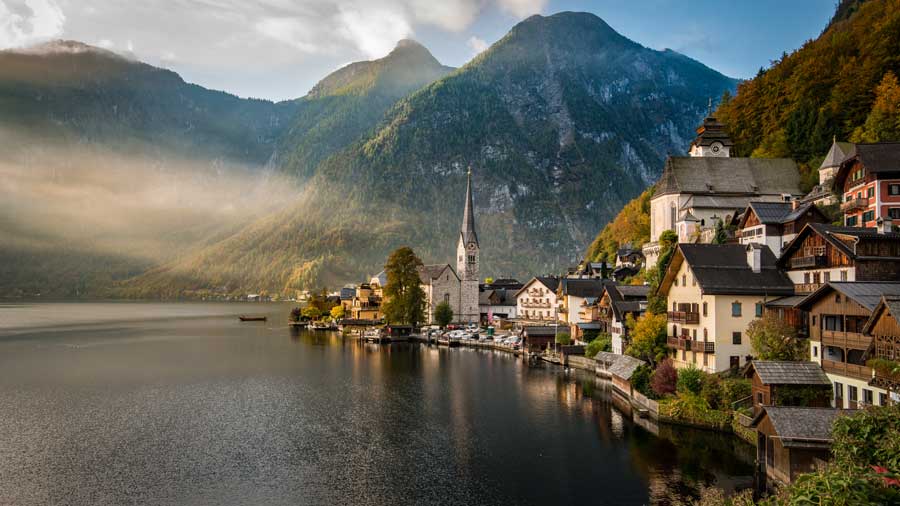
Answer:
(69, 91)
(350, 102)
(563, 120)
(841, 85)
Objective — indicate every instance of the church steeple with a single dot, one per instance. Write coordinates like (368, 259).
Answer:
(712, 138)
(467, 231)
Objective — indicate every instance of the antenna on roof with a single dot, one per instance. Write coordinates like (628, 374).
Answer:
(834, 139)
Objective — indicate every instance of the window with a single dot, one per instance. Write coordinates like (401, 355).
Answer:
(735, 338)
(827, 277)
(894, 213)
(694, 334)
(734, 361)
(894, 189)
(705, 334)
(868, 216)
(833, 322)
(674, 306)
(859, 195)
(676, 280)
(471, 259)
(882, 399)
(838, 395)
(684, 280)
(447, 298)
(705, 359)
(704, 308)
(817, 278)
(871, 192)
(843, 275)
(852, 393)
(682, 356)
(806, 278)
(759, 397)
(868, 397)
(851, 221)
(735, 309)
(814, 320)
(759, 309)
(837, 298)
(815, 351)
(693, 280)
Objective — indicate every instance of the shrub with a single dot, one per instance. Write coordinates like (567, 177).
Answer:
(640, 380)
(690, 380)
(691, 408)
(773, 339)
(711, 391)
(734, 389)
(664, 378)
(869, 437)
(599, 344)
(295, 314)
(443, 314)
(563, 338)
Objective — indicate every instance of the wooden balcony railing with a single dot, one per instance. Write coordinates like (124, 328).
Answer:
(842, 339)
(806, 287)
(855, 204)
(686, 344)
(683, 317)
(844, 369)
(809, 261)
(678, 343)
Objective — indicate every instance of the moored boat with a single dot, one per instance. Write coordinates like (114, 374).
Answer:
(245, 318)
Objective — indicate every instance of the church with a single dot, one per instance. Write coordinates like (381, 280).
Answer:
(459, 287)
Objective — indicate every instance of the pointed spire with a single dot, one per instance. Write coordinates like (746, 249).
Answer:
(468, 225)
(709, 108)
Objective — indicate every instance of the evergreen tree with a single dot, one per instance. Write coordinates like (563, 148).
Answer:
(443, 314)
(403, 294)
(883, 121)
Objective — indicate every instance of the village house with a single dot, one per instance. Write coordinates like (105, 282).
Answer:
(365, 304)
(785, 383)
(709, 186)
(775, 224)
(614, 307)
(884, 327)
(536, 338)
(715, 291)
(497, 300)
(838, 313)
(536, 302)
(627, 256)
(821, 253)
(793, 440)
(574, 296)
(869, 184)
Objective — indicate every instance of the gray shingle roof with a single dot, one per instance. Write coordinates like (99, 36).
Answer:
(800, 427)
(772, 372)
(624, 366)
(582, 287)
(789, 301)
(839, 152)
(633, 291)
(865, 293)
(429, 272)
(832, 234)
(776, 213)
(723, 269)
(722, 175)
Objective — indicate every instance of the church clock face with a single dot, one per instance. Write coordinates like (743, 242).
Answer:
(716, 148)
(471, 246)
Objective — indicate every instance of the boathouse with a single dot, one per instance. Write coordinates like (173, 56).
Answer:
(793, 440)
(784, 383)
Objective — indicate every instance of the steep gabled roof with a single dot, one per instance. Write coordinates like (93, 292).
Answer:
(434, 271)
(778, 213)
(876, 158)
(865, 293)
(844, 239)
(889, 303)
(722, 269)
(624, 366)
(582, 287)
(550, 282)
(778, 372)
(723, 176)
(839, 152)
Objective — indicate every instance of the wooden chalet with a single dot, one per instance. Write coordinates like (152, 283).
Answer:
(884, 327)
(784, 383)
(775, 224)
(822, 253)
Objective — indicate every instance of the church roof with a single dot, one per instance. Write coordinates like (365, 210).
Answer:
(430, 272)
(709, 175)
(467, 231)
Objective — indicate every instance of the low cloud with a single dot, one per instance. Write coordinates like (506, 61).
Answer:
(478, 45)
(523, 8)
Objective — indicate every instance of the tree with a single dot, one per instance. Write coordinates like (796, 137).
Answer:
(311, 313)
(664, 378)
(337, 312)
(883, 121)
(403, 294)
(773, 339)
(721, 236)
(602, 342)
(563, 338)
(443, 314)
(648, 337)
(690, 381)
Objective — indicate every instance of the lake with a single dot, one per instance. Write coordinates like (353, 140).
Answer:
(146, 403)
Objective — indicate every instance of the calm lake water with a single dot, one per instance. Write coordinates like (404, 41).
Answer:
(125, 403)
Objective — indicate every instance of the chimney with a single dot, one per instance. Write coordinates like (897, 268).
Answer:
(884, 225)
(754, 257)
(795, 204)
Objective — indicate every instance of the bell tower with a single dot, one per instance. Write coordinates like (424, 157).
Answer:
(467, 259)
(712, 137)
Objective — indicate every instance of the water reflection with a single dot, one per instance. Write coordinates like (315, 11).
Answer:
(199, 408)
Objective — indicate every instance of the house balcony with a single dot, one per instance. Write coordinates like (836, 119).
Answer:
(810, 261)
(687, 344)
(855, 204)
(840, 339)
(802, 288)
(683, 317)
(536, 305)
(860, 372)
(678, 343)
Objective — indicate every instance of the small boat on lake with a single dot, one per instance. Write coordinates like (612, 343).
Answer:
(245, 318)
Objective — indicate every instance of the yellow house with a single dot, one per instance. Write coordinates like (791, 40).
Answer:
(714, 291)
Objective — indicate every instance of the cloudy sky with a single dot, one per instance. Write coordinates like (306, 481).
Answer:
(278, 49)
